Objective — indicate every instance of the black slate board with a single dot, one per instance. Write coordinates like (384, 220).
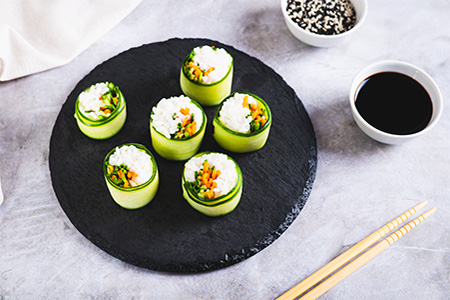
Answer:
(167, 234)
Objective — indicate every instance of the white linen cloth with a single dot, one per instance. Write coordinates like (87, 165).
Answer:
(37, 35)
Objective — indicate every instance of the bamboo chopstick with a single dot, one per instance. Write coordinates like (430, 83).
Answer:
(345, 257)
(364, 258)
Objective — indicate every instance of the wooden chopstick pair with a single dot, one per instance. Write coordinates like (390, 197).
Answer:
(347, 256)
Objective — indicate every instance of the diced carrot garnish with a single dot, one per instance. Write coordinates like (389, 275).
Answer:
(107, 111)
(255, 108)
(190, 130)
(205, 177)
(205, 166)
(185, 111)
(186, 121)
(245, 102)
(209, 71)
(115, 100)
(215, 174)
(209, 194)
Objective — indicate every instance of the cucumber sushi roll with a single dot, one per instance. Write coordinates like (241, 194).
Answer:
(177, 127)
(212, 183)
(100, 110)
(207, 74)
(242, 123)
(131, 175)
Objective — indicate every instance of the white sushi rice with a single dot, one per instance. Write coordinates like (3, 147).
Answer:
(228, 173)
(137, 160)
(163, 114)
(206, 57)
(234, 115)
(90, 100)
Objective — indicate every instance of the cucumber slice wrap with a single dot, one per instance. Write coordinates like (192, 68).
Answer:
(104, 127)
(137, 196)
(178, 149)
(206, 94)
(242, 142)
(218, 206)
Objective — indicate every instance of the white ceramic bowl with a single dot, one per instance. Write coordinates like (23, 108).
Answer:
(407, 69)
(321, 40)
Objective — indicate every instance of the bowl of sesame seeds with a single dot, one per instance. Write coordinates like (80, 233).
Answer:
(323, 23)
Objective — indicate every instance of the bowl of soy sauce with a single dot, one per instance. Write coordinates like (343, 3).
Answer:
(395, 101)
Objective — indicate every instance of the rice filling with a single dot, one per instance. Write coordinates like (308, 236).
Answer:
(99, 101)
(241, 113)
(129, 166)
(177, 117)
(208, 64)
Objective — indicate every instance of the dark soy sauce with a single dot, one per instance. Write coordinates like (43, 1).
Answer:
(394, 103)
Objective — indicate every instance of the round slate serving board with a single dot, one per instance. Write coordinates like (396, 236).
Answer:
(167, 234)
